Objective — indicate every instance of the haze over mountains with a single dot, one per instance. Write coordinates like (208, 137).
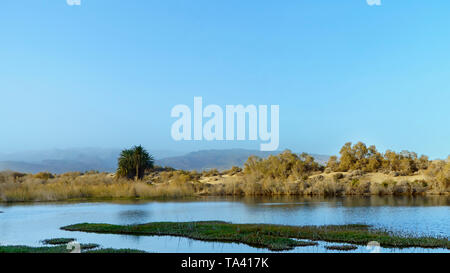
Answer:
(219, 159)
(105, 160)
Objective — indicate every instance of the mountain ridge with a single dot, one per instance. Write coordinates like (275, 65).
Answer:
(105, 160)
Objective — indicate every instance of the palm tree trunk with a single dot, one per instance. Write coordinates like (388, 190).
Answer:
(137, 172)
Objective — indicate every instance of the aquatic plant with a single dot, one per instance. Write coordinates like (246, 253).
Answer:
(273, 237)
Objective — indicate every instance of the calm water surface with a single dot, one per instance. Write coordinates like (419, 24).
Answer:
(28, 224)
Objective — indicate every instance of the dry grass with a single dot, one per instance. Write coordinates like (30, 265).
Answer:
(17, 187)
(87, 186)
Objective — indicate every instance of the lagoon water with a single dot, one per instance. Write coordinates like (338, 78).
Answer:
(28, 224)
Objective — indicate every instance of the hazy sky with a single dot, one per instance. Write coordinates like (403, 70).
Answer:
(108, 72)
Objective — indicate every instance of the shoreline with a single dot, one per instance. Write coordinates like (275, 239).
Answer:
(286, 174)
(201, 197)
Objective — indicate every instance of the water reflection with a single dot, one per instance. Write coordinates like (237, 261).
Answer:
(354, 201)
(27, 224)
(136, 216)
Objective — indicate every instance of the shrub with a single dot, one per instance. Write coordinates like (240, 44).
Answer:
(44, 175)
(286, 166)
(233, 171)
(361, 157)
(211, 172)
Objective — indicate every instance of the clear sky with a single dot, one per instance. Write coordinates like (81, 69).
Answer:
(108, 72)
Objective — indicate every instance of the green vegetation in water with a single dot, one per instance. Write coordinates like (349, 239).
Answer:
(342, 247)
(65, 241)
(85, 248)
(112, 250)
(59, 245)
(273, 237)
(28, 249)
(89, 246)
(58, 241)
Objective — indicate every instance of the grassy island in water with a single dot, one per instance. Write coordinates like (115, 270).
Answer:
(272, 237)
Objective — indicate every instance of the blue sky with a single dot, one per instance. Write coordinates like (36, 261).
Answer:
(107, 73)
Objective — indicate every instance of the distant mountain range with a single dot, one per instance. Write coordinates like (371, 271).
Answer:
(67, 160)
(60, 160)
(209, 159)
(219, 159)
(105, 160)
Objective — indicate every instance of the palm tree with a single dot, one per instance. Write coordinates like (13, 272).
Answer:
(133, 163)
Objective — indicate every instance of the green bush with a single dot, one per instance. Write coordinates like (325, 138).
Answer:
(368, 159)
(285, 166)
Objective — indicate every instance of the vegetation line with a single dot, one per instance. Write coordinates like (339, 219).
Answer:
(57, 241)
(360, 170)
(88, 248)
(272, 237)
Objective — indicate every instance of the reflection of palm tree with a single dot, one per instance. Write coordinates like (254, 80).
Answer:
(134, 162)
